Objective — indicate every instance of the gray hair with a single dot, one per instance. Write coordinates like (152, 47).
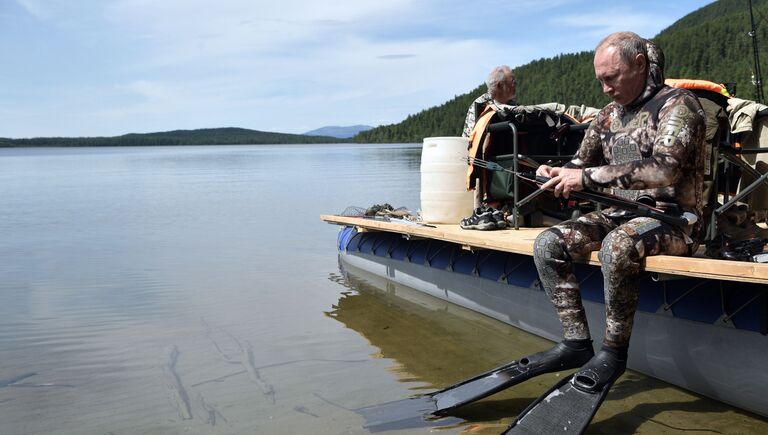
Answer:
(500, 79)
(628, 44)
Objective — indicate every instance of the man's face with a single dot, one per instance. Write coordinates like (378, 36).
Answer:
(506, 91)
(621, 81)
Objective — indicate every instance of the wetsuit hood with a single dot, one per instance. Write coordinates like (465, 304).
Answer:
(654, 79)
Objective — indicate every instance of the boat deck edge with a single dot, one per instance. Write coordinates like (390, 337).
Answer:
(521, 242)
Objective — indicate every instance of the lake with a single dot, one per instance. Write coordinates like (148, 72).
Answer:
(178, 290)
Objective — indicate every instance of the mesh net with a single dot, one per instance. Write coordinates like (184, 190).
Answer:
(385, 210)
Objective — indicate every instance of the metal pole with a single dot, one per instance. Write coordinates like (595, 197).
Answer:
(516, 208)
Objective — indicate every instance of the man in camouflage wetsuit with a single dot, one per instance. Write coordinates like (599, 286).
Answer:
(647, 143)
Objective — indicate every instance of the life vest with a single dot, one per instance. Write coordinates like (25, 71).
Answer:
(698, 84)
(475, 142)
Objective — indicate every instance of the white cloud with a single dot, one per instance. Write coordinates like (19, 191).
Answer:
(35, 8)
(330, 83)
(61, 12)
(153, 92)
(264, 62)
(114, 66)
(609, 21)
(197, 29)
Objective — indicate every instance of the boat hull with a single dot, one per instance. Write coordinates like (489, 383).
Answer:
(702, 335)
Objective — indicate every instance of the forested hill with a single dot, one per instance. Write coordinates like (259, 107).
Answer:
(710, 43)
(204, 136)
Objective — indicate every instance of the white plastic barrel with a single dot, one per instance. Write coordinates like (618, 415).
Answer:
(444, 195)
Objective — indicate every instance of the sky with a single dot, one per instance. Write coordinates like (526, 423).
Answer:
(112, 67)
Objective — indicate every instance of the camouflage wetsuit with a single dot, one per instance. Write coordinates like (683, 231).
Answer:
(477, 107)
(652, 147)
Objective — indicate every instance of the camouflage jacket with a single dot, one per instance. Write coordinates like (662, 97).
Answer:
(654, 146)
(476, 108)
(655, 150)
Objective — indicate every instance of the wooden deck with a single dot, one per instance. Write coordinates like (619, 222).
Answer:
(521, 242)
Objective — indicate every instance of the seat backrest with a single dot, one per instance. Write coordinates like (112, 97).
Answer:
(714, 100)
(735, 228)
(541, 134)
(717, 134)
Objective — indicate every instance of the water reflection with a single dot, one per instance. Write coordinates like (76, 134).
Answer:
(432, 344)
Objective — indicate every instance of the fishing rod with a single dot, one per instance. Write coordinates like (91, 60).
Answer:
(757, 78)
(639, 208)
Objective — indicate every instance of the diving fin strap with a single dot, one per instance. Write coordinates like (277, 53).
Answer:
(402, 413)
(569, 406)
(560, 357)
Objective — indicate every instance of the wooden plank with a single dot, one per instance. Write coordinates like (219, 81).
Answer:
(521, 242)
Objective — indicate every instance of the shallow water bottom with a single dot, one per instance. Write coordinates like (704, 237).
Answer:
(439, 343)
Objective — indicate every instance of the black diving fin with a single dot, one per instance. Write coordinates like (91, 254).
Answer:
(409, 412)
(569, 406)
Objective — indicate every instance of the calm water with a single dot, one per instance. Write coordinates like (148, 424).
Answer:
(176, 290)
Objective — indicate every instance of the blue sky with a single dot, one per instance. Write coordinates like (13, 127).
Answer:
(110, 67)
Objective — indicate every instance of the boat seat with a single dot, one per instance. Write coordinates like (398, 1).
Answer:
(736, 197)
(542, 134)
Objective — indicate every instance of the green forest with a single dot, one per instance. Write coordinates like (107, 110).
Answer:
(712, 43)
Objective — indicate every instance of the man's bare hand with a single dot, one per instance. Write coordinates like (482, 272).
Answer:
(562, 181)
(544, 171)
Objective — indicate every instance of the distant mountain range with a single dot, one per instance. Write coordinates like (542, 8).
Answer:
(340, 132)
(203, 136)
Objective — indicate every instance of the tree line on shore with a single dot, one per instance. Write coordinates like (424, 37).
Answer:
(711, 43)
(205, 136)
